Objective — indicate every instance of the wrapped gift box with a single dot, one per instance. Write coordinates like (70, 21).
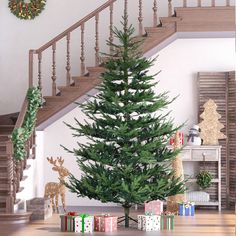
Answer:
(149, 222)
(154, 207)
(68, 221)
(84, 223)
(105, 223)
(181, 137)
(186, 209)
(167, 221)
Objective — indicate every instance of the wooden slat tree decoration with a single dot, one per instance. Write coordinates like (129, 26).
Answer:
(211, 126)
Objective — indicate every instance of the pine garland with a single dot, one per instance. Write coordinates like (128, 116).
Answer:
(26, 11)
(22, 134)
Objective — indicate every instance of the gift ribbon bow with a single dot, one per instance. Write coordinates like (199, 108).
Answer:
(168, 213)
(148, 214)
(72, 214)
(187, 204)
(83, 216)
(105, 215)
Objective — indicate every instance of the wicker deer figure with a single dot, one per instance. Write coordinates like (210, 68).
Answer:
(52, 189)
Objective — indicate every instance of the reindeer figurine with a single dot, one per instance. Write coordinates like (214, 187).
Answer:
(53, 189)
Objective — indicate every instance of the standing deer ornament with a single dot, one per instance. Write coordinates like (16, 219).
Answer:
(52, 189)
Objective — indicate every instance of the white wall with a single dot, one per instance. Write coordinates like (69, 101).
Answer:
(18, 36)
(179, 63)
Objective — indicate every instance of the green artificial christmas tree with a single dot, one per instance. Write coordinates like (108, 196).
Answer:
(126, 159)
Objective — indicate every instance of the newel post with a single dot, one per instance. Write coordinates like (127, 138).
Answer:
(31, 58)
(169, 8)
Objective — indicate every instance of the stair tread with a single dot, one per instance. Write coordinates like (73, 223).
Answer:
(68, 88)
(96, 68)
(3, 153)
(24, 178)
(20, 189)
(53, 97)
(155, 29)
(84, 78)
(3, 199)
(170, 19)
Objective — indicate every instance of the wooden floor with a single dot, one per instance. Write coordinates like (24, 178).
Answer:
(204, 223)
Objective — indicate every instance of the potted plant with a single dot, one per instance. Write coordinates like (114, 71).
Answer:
(204, 179)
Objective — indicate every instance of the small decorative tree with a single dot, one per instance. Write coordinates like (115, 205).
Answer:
(127, 160)
(210, 126)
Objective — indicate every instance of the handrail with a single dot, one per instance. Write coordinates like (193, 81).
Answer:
(21, 116)
(75, 26)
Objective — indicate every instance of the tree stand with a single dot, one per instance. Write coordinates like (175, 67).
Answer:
(126, 218)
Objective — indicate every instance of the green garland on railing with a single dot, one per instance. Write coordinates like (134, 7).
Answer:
(22, 134)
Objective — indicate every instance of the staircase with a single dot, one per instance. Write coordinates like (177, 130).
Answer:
(182, 19)
(11, 171)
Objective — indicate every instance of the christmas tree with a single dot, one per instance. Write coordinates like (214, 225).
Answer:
(211, 126)
(126, 160)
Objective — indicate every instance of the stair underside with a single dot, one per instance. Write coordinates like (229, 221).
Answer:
(68, 95)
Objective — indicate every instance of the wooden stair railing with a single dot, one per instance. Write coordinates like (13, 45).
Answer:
(15, 168)
(81, 25)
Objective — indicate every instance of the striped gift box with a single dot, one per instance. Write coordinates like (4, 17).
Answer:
(68, 222)
(167, 221)
(187, 209)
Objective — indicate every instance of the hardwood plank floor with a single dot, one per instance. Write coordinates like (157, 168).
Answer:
(204, 223)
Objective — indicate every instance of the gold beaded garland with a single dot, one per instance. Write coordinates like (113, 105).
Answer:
(26, 10)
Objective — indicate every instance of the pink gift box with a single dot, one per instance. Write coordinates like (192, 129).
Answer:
(154, 207)
(105, 223)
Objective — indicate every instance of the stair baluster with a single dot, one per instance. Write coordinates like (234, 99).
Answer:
(54, 86)
(213, 3)
(68, 67)
(22, 163)
(227, 3)
(39, 71)
(199, 4)
(184, 3)
(18, 170)
(140, 18)
(10, 173)
(82, 58)
(31, 58)
(154, 13)
(14, 179)
(111, 38)
(33, 146)
(170, 8)
(96, 40)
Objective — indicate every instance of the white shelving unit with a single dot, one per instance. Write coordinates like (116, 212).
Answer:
(211, 154)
